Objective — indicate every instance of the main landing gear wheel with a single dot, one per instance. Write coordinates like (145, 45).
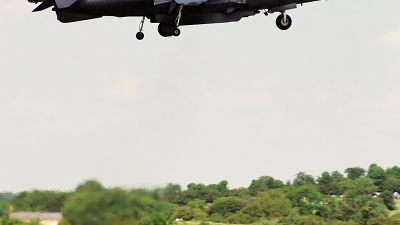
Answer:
(283, 21)
(168, 30)
(140, 35)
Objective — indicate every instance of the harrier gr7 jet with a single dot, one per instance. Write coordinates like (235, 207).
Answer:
(170, 14)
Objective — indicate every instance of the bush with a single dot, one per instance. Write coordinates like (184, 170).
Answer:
(197, 203)
(6, 221)
(216, 218)
(338, 222)
(239, 218)
(302, 220)
(157, 219)
(188, 213)
(271, 204)
(267, 222)
(63, 222)
(226, 205)
(387, 199)
(384, 220)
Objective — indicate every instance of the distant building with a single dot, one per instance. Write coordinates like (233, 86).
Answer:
(45, 218)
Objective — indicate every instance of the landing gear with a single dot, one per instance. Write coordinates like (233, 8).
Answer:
(283, 21)
(178, 18)
(140, 34)
(177, 32)
(170, 29)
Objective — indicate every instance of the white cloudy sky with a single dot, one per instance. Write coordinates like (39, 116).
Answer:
(229, 101)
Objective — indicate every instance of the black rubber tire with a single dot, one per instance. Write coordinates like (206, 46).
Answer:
(177, 32)
(161, 30)
(166, 29)
(281, 24)
(140, 35)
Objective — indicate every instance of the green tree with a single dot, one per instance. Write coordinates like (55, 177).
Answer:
(354, 172)
(326, 184)
(90, 186)
(264, 183)
(387, 199)
(188, 213)
(301, 194)
(216, 218)
(197, 203)
(377, 174)
(270, 204)
(183, 197)
(391, 184)
(170, 192)
(6, 196)
(383, 220)
(38, 201)
(226, 206)
(325, 178)
(393, 172)
(239, 218)
(241, 193)
(221, 188)
(337, 176)
(198, 191)
(360, 209)
(310, 202)
(92, 204)
(302, 178)
(329, 188)
(359, 187)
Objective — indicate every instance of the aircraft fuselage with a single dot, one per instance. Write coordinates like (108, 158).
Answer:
(171, 13)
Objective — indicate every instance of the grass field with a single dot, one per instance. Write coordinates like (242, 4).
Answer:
(397, 203)
(197, 223)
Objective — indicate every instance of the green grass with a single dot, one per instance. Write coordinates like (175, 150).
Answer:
(197, 223)
(397, 204)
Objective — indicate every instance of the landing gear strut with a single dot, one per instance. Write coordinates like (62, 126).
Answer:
(283, 21)
(140, 34)
(178, 18)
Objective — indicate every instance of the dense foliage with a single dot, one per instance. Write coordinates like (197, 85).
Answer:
(357, 197)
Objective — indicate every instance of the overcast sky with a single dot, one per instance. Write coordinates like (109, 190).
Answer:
(231, 101)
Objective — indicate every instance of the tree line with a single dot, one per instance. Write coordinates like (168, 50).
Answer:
(355, 197)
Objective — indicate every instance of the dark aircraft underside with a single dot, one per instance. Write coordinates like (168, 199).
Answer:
(170, 14)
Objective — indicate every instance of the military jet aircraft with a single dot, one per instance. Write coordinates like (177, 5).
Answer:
(170, 14)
